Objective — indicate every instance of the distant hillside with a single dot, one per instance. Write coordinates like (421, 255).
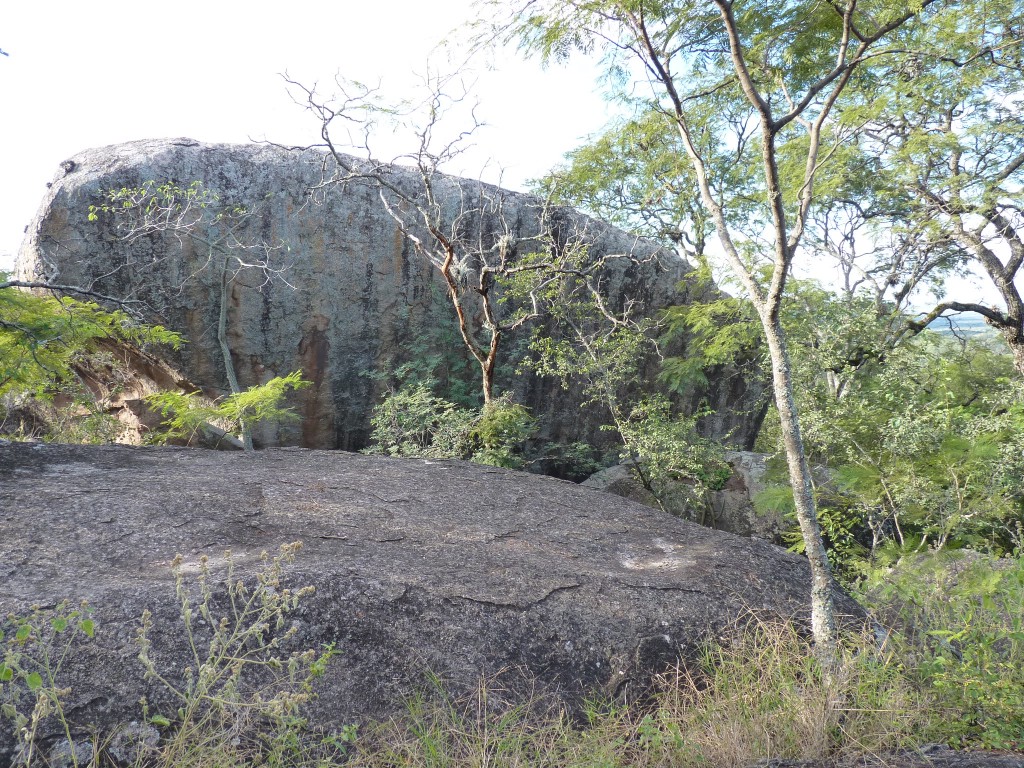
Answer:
(964, 325)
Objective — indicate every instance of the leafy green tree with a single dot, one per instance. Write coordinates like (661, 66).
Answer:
(49, 344)
(944, 125)
(921, 446)
(936, 464)
(671, 458)
(187, 414)
(601, 353)
(637, 177)
(42, 337)
(751, 92)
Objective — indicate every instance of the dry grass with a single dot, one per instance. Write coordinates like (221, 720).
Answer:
(762, 694)
(759, 695)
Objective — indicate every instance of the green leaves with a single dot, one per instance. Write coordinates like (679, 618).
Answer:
(163, 205)
(669, 454)
(412, 421)
(920, 440)
(636, 176)
(963, 626)
(186, 414)
(33, 650)
(43, 339)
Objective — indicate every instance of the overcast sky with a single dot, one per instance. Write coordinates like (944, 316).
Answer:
(82, 75)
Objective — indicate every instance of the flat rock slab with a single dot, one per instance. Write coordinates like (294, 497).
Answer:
(460, 570)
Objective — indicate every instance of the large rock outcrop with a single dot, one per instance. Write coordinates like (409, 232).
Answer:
(357, 300)
(458, 569)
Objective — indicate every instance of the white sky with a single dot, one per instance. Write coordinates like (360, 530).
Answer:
(82, 75)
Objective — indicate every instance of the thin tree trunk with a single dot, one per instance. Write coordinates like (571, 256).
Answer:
(225, 350)
(823, 621)
(1017, 348)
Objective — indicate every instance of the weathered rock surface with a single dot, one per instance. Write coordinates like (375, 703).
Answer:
(358, 298)
(463, 570)
(731, 507)
(118, 377)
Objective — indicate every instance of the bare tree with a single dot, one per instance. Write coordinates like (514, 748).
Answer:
(469, 232)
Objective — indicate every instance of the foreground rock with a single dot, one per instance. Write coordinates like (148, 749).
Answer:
(445, 567)
(354, 298)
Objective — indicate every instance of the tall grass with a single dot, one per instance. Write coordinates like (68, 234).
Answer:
(761, 694)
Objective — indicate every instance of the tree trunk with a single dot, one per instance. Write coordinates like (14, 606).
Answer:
(1015, 341)
(222, 339)
(823, 619)
(487, 379)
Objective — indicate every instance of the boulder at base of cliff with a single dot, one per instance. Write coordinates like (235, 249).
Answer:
(420, 568)
(730, 508)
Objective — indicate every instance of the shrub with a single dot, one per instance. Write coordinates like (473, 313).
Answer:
(414, 422)
(960, 624)
(239, 701)
(186, 414)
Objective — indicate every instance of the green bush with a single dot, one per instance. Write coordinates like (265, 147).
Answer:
(412, 421)
(187, 414)
(501, 432)
(959, 619)
(669, 456)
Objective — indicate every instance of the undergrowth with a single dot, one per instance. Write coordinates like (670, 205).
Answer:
(237, 702)
(760, 694)
(959, 630)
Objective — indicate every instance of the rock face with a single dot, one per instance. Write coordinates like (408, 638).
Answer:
(352, 297)
(731, 507)
(458, 569)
